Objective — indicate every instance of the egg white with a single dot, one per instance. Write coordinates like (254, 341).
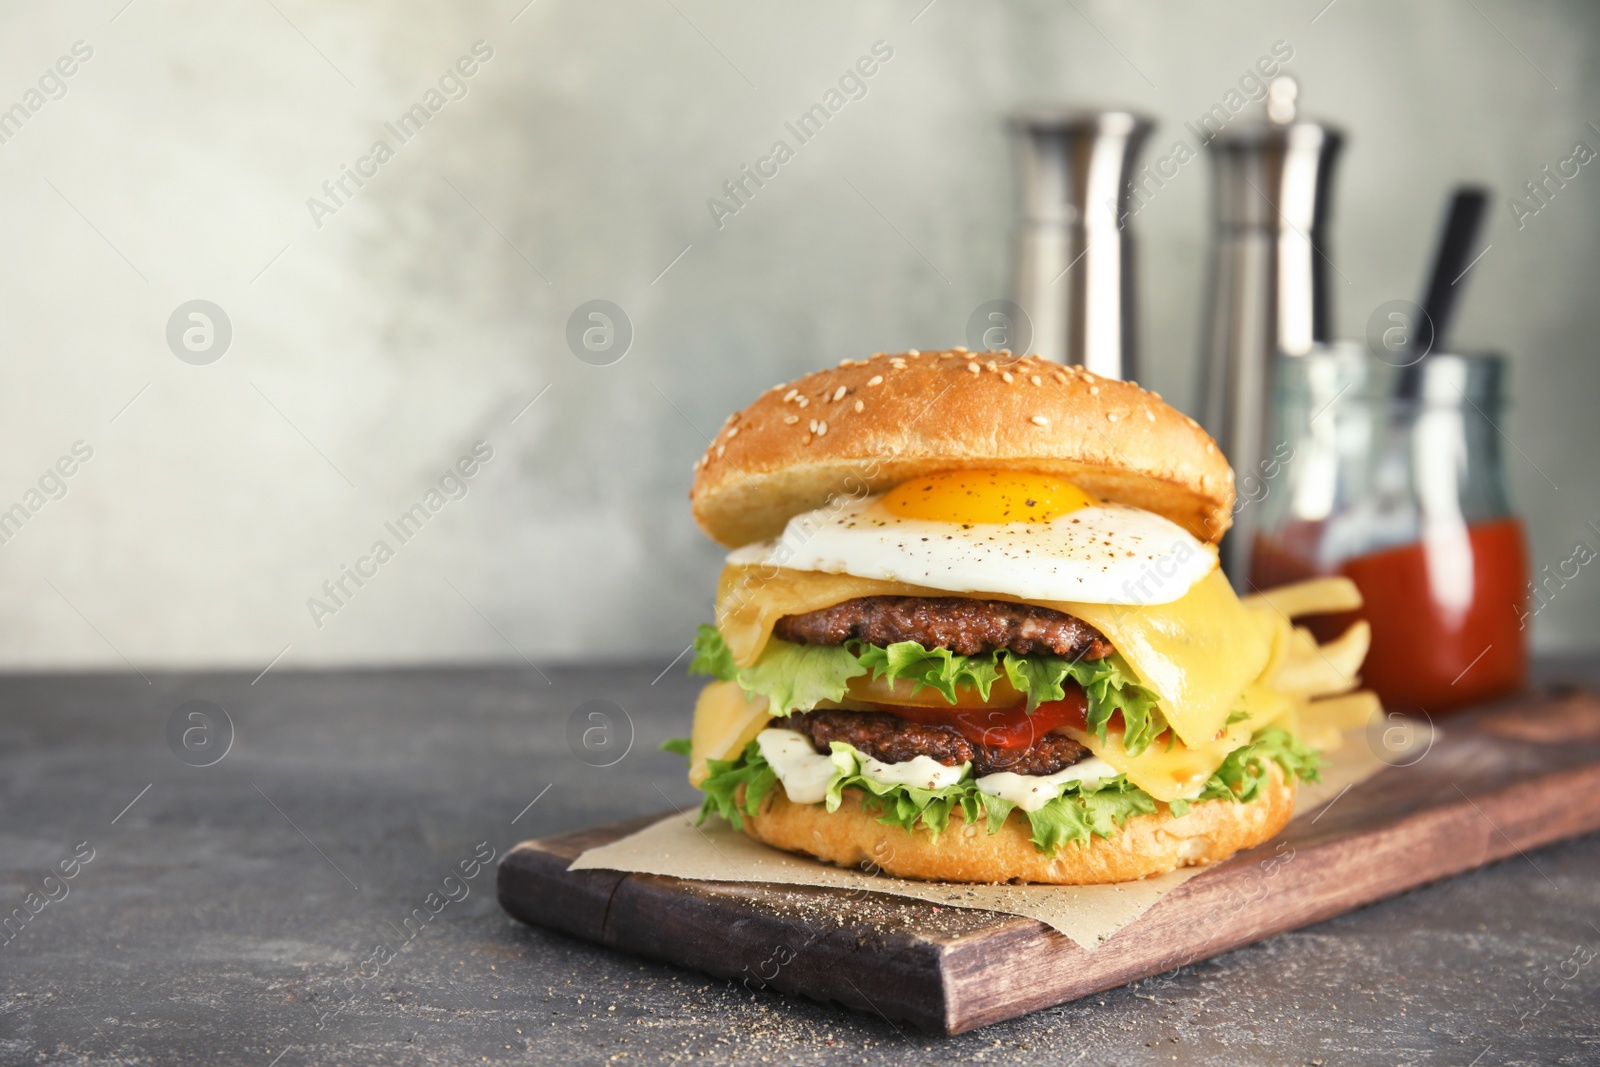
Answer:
(1102, 554)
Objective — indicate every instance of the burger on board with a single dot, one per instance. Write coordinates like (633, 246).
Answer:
(973, 629)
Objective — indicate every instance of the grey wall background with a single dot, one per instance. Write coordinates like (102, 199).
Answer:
(369, 353)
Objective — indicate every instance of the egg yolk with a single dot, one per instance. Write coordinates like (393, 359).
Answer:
(986, 496)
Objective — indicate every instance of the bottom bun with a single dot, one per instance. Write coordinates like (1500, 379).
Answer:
(852, 836)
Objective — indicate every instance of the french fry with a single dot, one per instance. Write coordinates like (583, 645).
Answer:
(1311, 670)
(1349, 649)
(1315, 597)
(1347, 712)
(1321, 736)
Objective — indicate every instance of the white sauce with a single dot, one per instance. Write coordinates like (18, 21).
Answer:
(802, 770)
(805, 773)
(1032, 792)
(919, 772)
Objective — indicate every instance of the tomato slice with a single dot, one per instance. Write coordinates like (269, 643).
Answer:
(1010, 728)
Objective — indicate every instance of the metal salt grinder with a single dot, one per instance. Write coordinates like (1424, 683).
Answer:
(1269, 267)
(1075, 260)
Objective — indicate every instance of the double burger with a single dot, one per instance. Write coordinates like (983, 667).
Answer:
(972, 628)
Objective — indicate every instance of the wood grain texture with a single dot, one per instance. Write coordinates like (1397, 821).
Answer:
(1497, 782)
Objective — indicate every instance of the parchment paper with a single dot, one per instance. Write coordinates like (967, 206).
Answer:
(1088, 914)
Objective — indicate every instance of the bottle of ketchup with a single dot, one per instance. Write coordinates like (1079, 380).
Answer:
(1403, 491)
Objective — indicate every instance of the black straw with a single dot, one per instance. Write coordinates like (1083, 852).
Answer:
(1450, 262)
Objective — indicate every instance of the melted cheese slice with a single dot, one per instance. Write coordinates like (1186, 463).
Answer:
(725, 720)
(1196, 654)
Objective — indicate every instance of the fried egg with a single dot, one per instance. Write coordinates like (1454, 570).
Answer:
(1032, 536)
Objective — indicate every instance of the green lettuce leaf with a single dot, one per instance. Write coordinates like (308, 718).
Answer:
(1099, 811)
(721, 785)
(1245, 771)
(795, 677)
(900, 805)
(1040, 677)
(1108, 686)
(931, 668)
(711, 655)
(791, 677)
(679, 745)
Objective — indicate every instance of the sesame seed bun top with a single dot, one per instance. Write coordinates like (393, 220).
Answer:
(868, 425)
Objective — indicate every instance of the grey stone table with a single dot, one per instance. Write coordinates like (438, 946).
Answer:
(255, 911)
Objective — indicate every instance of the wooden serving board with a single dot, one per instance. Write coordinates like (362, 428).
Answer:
(1496, 782)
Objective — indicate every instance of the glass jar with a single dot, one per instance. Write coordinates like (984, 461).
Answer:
(1405, 495)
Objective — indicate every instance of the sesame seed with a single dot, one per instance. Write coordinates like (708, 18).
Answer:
(1061, 379)
(958, 348)
(1036, 380)
(791, 420)
(721, 449)
(947, 355)
(1094, 390)
(813, 425)
(1112, 416)
(802, 401)
(1039, 420)
(1005, 376)
(838, 394)
(733, 431)
(822, 428)
(973, 367)
(1088, 377)
(790, 395)
(991, 365)
(860, 405)
(876, 379)
(1150, 415)
(1155, 394)
(847, 363)
(913, 352)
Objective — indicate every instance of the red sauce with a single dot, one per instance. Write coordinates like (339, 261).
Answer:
(1010, 727)
(1428, 651)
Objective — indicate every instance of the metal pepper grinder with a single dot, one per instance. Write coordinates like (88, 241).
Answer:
(1075, 263)
(1269, 271)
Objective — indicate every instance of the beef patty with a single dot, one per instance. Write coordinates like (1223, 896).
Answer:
(960, 624)
(894, 740)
